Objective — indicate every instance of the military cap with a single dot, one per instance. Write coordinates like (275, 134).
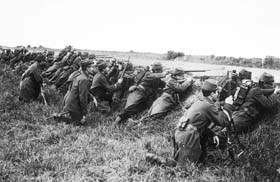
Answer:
(244, 74)
(40, 58)
(102, 66)
(99, 61)
(266, 77)
(178, 71)
(157, 66)
(210, 85)
(85, 63)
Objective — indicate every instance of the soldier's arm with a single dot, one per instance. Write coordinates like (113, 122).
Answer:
(37, 76)
(150, 75)
(110, 88)
(219, 117)
(179, 87)
(83, 95)
(265, 101)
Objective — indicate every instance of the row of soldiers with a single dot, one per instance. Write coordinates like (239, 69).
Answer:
(236, 102)
(211, 119)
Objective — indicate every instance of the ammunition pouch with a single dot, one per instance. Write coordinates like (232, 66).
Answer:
(241, 95)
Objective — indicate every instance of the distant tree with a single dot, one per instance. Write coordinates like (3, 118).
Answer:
(268, 62)
(172, 55)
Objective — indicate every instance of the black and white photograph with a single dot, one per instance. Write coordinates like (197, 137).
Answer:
(139, 90)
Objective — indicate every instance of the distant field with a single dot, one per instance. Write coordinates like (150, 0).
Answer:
(189, 62)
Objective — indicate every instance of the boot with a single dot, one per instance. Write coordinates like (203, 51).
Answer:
(154, 159)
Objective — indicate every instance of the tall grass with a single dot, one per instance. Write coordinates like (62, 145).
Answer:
(35, 149)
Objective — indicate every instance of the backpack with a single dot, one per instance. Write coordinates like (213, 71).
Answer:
(242, 92)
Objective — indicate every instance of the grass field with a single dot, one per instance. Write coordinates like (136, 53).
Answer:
(35, 149)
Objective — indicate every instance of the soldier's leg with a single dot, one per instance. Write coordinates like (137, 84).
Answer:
(136, 102)
(129, 111)
(76, 117)
(155, 159)
(242, 122)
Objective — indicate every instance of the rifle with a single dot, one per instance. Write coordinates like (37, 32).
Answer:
(44, 97)
(125, 68)
(61, 114)
(201, 78)
(188, 71)
(240, 145)
(102, 56)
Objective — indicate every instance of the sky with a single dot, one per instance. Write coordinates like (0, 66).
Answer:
(239, 28)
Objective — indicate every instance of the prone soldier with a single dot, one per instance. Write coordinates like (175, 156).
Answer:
(258, 99)
(143, 93)
(175, 88)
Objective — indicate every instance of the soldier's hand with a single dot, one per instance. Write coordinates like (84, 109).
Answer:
(56, 115)
(132, 88)
(166, 72)
(189, 79)
(120, 80)
(277, 90)
(216, 140)
(44, 84)
(83, 120)
(229, 100)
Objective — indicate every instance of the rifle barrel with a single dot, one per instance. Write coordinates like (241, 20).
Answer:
(187, 71)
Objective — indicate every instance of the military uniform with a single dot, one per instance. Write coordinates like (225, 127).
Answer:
(63, 77)
(142, 95)
(76, 98)
(192, 133)
(256, 102)
(102, 91)
(230, 83)
(30, 85)
(171, 95)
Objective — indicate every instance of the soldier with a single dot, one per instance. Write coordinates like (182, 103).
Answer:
(17, 58)
(192, 133)
(230, 83)
(128, 80)
(244, 74)
(31, 80)
(113, 72)
(64, 75)
(175, 88)
(102, 90)
(143, 93)
(258, 99)
(52, 69)
(76, 98)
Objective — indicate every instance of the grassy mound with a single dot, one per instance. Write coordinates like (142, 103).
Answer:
(35, 149)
